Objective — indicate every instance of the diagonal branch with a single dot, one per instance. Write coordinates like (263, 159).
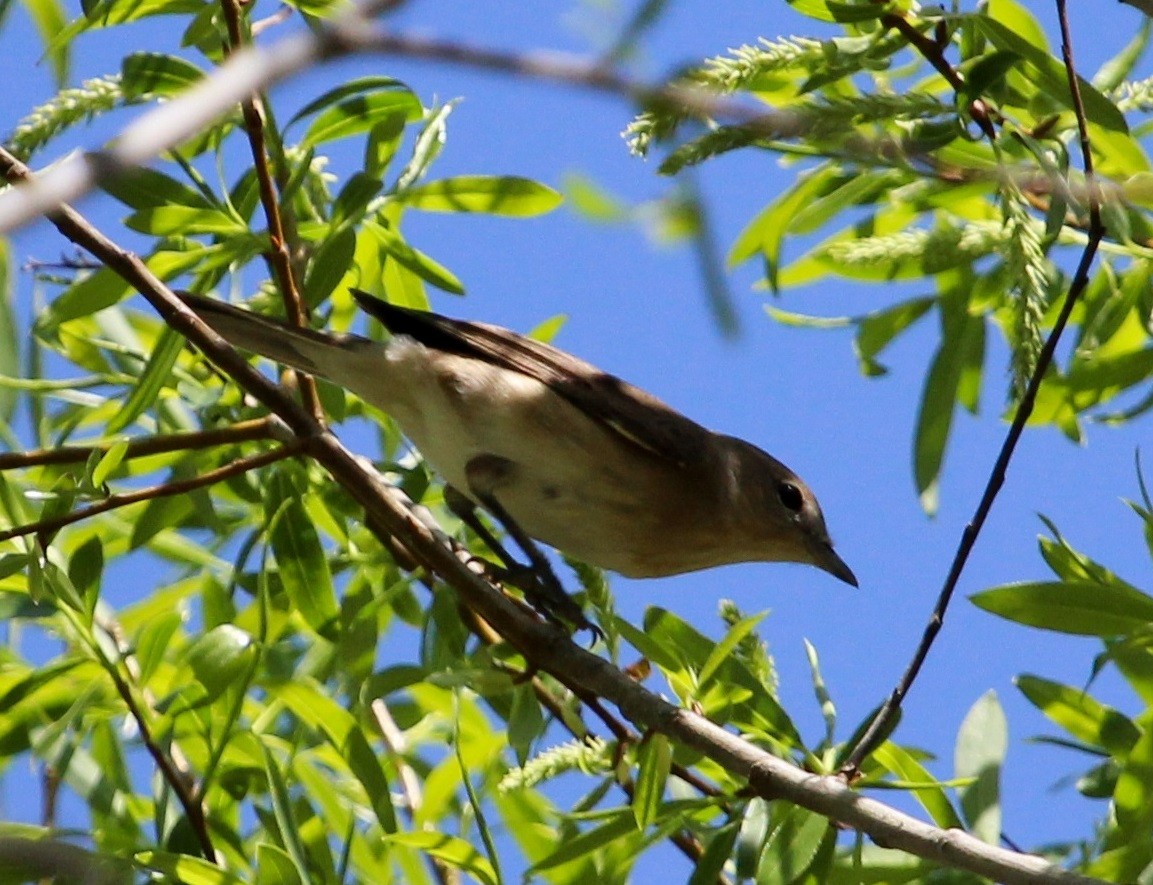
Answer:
(884, 721)
(163, 490)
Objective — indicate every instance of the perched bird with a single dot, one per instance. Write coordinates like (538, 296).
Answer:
(555, 448)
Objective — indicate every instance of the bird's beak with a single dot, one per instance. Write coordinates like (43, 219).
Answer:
(826, 558)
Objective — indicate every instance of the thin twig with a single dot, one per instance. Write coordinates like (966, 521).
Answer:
(279, 257)
(163, 490)
(933, 54)
(180, 784)
(244, 431)
(884, 720)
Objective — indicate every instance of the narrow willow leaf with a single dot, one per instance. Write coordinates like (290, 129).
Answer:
(494, 195)
(300, 558)
(416, 261)
(724, 649)
(156, 74)
(220, 658)
(1048, 73)
(982, 742)
(155, 375)
(655, 759)
(926, 790)
(454, 851)
(525, 722)
(618, 826)
(282, 809)
(1081, 715)
(360, 114)
(712, 861)
(795, 838)
(1080, 608)
(358, 86)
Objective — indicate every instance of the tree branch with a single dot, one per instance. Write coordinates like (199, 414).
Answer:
(163, 490)
(245, 431)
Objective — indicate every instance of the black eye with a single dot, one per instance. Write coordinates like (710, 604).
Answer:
(790, 496)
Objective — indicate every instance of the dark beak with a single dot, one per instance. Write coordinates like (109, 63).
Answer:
(826, 558)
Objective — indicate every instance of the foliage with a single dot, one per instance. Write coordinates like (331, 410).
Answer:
(304, 708)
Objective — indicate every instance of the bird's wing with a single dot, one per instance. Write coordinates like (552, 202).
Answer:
(628, 411)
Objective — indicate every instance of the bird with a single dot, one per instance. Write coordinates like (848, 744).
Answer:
(554, 448)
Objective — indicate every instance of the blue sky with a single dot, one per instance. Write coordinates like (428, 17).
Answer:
(638, 309)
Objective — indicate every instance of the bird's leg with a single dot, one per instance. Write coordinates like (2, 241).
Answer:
(463, 508)
(539, 582)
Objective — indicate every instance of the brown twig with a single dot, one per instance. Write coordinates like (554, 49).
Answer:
(932, 52)
(279, 256)
(884, 720)
(179, 782)
(163, 490)
(244, 431)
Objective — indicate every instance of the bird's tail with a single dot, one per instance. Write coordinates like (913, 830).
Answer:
(324, 354)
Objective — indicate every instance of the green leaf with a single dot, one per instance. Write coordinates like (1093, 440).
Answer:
(1080, 608)
(143, 188)
(274, 866)
(795, 838)
(655, 758)
(320, 712)
(716, 854)
(300, 559)
(832, 11)
(220, 658)
(186, 869)
(525, 722)
(877, 330)
(765, 234)
(416, 261)
(350, 89)
(962, 343)
(982, 742)
(920, 783)
(108, 462)
(454, 851)
(723, 650)
(619, 825)
(169, 221)
(94, 293)
(492, 194)
(155, 375)
(361, 113)
(1133, 796)
(1049, 75)
(155, 74)
(282, 809)
(1081, 715)
(805, 321)
(588, 198)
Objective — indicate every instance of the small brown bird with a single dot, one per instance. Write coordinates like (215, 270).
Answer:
(570, 455)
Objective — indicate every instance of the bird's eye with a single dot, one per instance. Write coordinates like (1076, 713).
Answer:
(790, 496)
